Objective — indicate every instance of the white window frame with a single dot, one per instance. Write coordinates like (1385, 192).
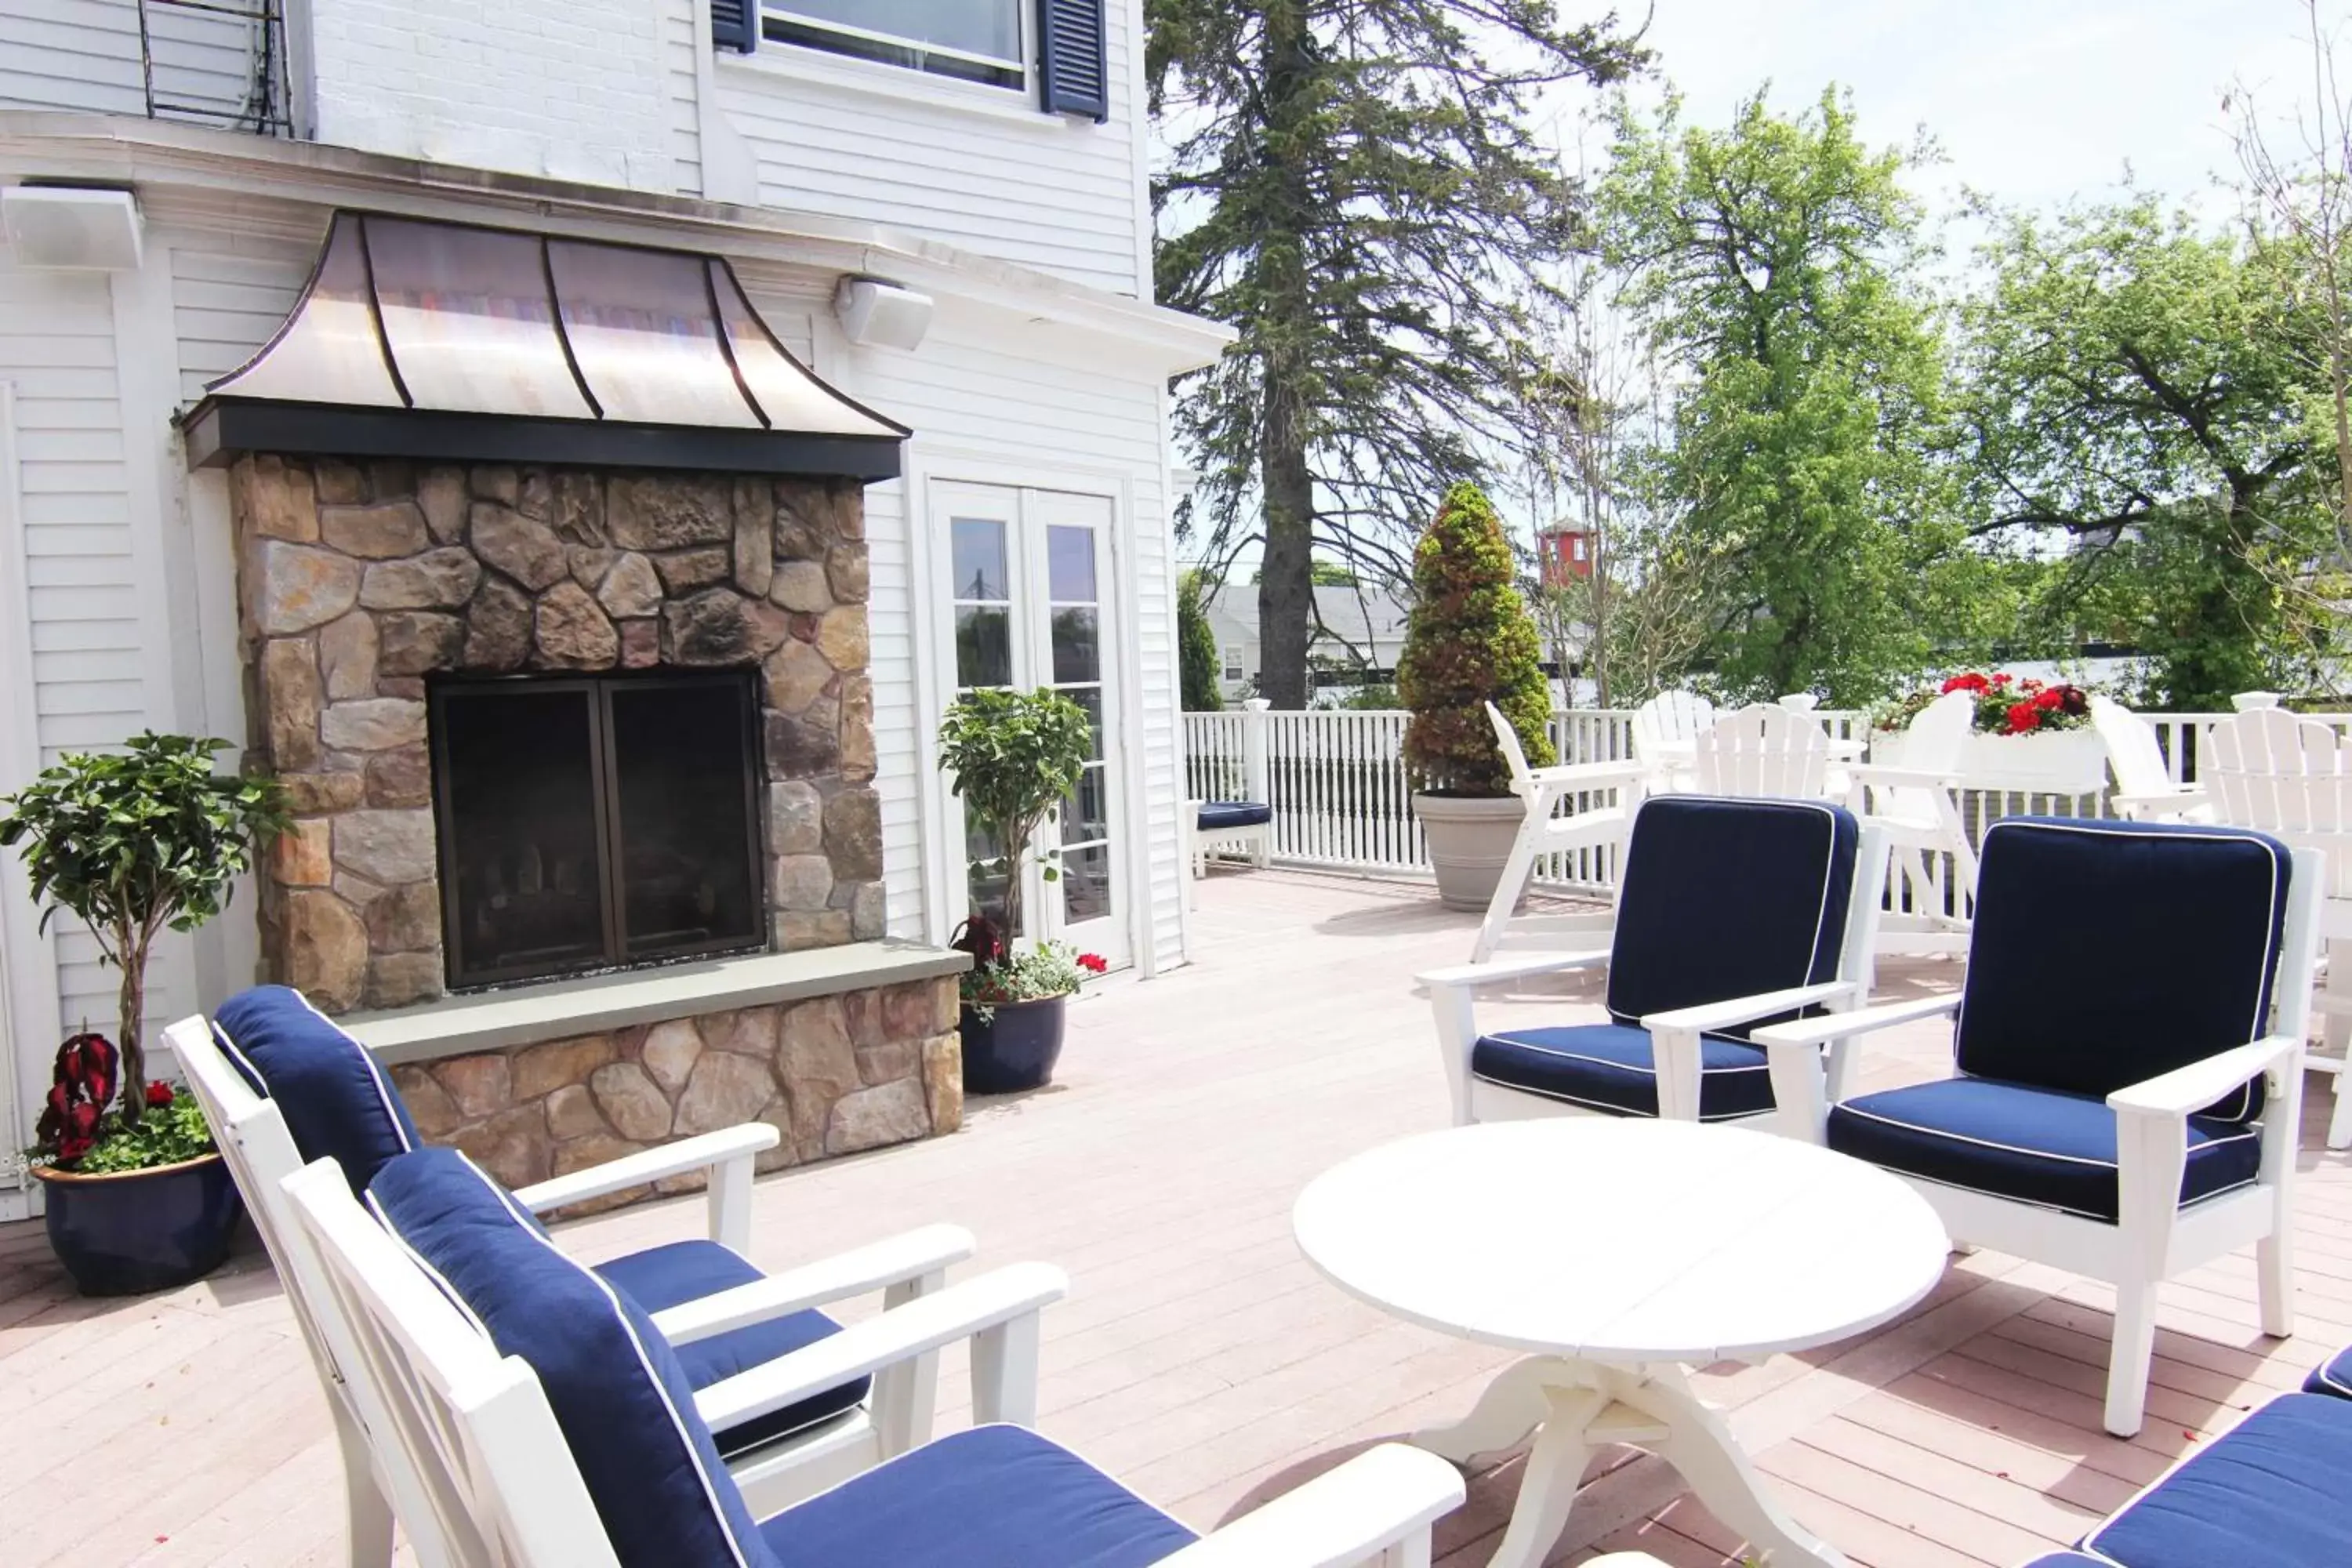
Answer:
(1022, 68)
(1229, 663)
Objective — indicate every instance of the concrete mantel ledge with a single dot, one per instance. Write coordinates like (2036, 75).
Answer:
(563, 1009)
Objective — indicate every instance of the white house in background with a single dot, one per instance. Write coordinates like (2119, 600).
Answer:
(1364, 629)
(942, 214)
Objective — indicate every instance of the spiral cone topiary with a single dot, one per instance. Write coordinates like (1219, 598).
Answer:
(1470, 642)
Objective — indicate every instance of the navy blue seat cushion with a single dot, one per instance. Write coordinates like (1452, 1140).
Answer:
(337, 1102)
(2107, 952)
(994, 1496)
(1723, 899)
(2015, 1141)
(1216, 813)
(2275, 1489)
(685, 1272)
(2333, 1376)
(1610, 1067)
(617, 1390)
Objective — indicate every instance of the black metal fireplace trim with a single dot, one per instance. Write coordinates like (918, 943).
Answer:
(605, 787)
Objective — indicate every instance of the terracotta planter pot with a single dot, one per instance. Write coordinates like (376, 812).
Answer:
(1468, 838)
(1013, 1049)
(128, 1232)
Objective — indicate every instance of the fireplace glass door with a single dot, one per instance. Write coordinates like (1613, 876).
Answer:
(594, 822)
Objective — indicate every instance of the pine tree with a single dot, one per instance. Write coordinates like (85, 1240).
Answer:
(1356, 185)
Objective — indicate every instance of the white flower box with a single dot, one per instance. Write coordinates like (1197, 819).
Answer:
(2063, 761)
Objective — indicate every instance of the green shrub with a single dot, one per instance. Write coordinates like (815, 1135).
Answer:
(1470, 642)
(1196, 649)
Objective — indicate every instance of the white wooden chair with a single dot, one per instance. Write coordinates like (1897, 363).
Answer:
(1593, 829)
(1916, 807)
(2292, 778)
(520, 1485)
(2126, 1096)
(1763, 750)
(1730, 913)
(2145, 791)
(1665, 729)
(777, 1465)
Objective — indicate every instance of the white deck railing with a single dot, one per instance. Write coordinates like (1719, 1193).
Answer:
(1336, 783)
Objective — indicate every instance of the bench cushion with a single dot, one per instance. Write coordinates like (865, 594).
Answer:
(617, 1388)
(685, 1272)
(337, 1102)
(2275, 1489)
(2035, 1145)
(1610, 1067)
(2104, 953)
(994, 1496)
(2333, 1376)
(1724, 898)
(1217, 813)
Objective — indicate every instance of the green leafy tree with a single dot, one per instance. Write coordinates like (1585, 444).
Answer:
(2137, 399)
(1015, 755)
(135, 843)
(1470, 642)
(1773, 266)
(1196, 649)
(1357, 186)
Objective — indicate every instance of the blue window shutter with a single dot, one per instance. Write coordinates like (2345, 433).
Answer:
(1073, 58)
(735, 25)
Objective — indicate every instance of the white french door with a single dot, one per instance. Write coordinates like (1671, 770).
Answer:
(1030, 604)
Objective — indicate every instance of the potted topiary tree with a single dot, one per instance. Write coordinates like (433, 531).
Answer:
(1469, 642)
(134, 843)
(1014, 756)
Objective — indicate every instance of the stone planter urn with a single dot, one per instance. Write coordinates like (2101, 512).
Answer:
(1468, 838)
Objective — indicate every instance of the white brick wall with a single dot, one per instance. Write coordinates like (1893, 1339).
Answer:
(570, 88)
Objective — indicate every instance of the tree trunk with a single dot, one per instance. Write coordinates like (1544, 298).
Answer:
(131, 1006)
(1286, 589)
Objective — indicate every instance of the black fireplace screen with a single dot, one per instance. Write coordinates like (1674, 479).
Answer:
(594, 821)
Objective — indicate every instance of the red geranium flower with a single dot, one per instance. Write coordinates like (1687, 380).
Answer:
(1972, 682)
(2050, 696)
(1094, 963)
(2024, 719)
(159, 1095)
(2003, 678)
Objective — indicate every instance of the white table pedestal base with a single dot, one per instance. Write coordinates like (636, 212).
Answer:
(1575, 1406)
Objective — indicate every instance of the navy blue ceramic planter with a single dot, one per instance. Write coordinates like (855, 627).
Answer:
(1014, 1049)
(141, 1230)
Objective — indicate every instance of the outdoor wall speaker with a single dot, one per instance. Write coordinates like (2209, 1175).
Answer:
(881, 314)
(62, 225)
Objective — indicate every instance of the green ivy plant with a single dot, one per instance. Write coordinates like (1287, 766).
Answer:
(1470, 641)
(1014, 756)
(135, 843)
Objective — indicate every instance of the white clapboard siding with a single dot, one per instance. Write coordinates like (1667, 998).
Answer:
(968, 391)
(84, 55)
(1046, 191)
(682, 44)
(228, 295)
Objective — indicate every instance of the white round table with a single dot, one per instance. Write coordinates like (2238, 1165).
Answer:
(1618, 1252)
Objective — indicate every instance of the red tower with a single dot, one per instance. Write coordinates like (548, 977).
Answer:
(1566, 553)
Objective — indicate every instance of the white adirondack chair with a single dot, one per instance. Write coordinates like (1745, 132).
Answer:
(2292, 778)
(260, 1152)
(2007, 1159)
(1914, 804)
(1545, 832)
(2145, 790)
(1763, 750)
(488, 1452)
(1665, 730)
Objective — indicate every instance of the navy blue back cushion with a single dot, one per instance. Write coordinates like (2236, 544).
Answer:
(2106, 952)
(1722, 898)
(337, 1102)
(617, 1387)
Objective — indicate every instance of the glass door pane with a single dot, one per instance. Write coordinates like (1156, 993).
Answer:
(981, 559)
(1075, 637)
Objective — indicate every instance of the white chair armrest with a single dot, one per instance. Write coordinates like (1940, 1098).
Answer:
(1521, 966)
(1381, 1498)
(895, 1260)
(1889, 776)
(2186, 798)
(703, 1151)
(2191, 1089)
(1723, 1015)
(1590, 775)
(960, 1312)
(1845, 1026)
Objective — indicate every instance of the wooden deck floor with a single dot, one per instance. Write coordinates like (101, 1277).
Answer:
(1199, 1357)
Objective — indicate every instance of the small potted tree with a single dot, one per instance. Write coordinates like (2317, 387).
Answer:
(134, 843)
(1469, 642)
(1014, 756)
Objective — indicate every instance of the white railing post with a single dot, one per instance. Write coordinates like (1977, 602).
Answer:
(1255, 773)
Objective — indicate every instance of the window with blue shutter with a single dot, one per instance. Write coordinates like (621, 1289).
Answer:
(1073, 58)
(735, 25)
